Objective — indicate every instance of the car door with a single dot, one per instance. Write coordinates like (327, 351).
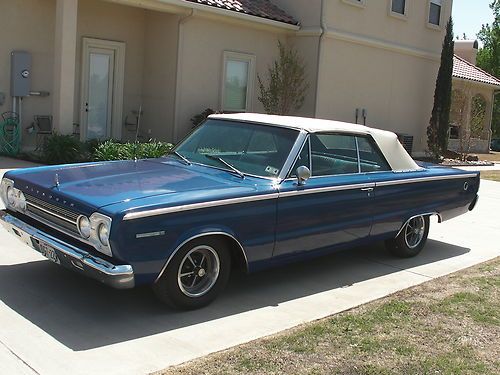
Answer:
(333, 206)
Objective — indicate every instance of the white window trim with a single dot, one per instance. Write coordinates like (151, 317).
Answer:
(238, 56)
(356, 3)
(431, 25)
(399, 16)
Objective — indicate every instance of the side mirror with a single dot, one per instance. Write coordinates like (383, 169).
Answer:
(303, 174)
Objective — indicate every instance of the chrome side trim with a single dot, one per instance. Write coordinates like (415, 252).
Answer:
(255, 198)
(425, 179)
(196, 206)
(199, 236)
(415, 216)
(326, 189)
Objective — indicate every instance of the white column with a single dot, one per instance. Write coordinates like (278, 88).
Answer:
(64, 65)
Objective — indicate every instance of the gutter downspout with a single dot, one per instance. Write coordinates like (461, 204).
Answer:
(324, 29)
(178, 69)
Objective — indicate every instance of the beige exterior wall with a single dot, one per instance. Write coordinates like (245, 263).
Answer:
(375, 20)
(150, 62)
(28, 25)
(384, 64)
(159, 75)
(203, 43)
(367, 59)
(101, 20)
(395, 89)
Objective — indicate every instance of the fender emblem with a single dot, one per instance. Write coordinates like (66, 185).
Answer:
(150, 234)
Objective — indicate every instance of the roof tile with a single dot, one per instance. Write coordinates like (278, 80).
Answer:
(258, 8)
(466, 70)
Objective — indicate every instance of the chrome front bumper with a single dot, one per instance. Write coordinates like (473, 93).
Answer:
(69, 256)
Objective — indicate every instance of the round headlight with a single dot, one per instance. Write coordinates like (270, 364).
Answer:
(103, 233)
(84, 226)
(11, 195)
(21, 201)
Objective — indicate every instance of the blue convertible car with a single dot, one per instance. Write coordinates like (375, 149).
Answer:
(242, 191)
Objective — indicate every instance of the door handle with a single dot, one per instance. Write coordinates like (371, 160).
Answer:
(86, 107)
(369, 190)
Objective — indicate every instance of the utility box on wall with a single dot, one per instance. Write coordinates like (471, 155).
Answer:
(20, 73)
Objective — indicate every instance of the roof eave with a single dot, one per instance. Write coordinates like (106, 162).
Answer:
(233, 14)
(490, 85)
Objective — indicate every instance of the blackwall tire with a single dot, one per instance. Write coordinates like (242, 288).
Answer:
(412, 238)
(196, 274)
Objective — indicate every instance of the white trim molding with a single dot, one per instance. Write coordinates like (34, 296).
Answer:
(118, 83)
(251, 60)
(400, 16)
(430, 25)
(356, 3)
(383, 44)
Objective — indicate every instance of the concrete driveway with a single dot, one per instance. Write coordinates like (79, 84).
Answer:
(53, 321)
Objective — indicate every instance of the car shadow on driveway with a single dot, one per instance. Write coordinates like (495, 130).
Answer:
(83, 314)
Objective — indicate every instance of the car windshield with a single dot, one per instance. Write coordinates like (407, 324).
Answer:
(259, 150)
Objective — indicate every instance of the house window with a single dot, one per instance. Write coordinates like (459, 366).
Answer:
(237, 85)
(435, 9)
(398, 6)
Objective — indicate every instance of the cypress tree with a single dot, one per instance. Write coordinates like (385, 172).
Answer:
(437, 131)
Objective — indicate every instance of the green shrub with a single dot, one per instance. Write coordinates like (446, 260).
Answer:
(113, 150)
(62, 149)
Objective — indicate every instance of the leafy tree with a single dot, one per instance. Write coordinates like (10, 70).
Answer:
(488, 57)
(437, 131)
(286, 88)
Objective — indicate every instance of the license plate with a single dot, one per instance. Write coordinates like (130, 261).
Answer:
(48, 252)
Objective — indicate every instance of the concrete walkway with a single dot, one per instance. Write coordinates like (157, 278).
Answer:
(53, 321)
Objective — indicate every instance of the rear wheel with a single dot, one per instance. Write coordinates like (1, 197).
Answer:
(195, 275)
(412, 238)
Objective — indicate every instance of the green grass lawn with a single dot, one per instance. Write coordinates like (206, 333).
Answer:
(450, 325)
(491, 175)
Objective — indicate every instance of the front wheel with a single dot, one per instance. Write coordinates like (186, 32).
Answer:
(412, 238)
(196, 274)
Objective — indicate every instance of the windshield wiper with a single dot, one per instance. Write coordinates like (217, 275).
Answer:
(184, 159)
(220, 160)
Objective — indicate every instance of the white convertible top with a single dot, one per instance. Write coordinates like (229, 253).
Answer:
(394, 152)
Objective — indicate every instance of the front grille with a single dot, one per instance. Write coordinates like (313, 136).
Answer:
(52, 213)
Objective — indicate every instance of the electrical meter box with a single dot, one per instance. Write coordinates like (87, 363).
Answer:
(20, 73)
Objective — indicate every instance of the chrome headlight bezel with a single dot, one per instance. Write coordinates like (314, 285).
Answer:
(101, 240)
(5, 185)
(12, 197)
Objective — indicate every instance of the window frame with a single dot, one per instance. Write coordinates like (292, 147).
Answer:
(429, 24)
(307, 142)
(399, 16)
(241, 57)
(356, 3)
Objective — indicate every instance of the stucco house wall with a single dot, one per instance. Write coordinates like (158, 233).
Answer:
(34, 34)
(356, 57)
(203, 45)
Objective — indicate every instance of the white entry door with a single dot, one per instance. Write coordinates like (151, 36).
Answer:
(102, 89)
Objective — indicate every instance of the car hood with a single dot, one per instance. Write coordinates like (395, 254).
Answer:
(102, 184)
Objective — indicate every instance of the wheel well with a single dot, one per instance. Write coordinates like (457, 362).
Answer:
(238, 258)
(427, 214)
